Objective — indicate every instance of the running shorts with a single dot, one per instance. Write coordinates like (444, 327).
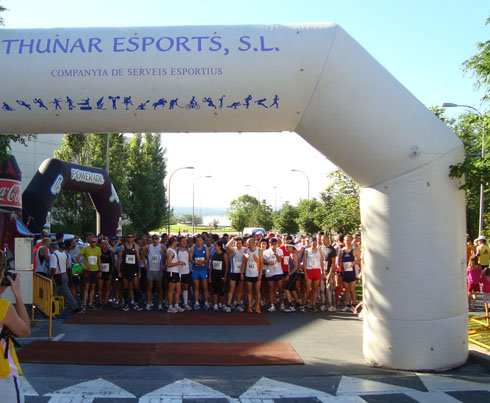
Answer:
(93, 277)
(185, 278)
(475, 287)
(313, 274)
(199, 274)
(276, 277)
(235, 276)
(154, 275)
(251, 279)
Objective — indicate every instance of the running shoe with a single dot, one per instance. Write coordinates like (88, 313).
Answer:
(125, 308)
(309, 306)
(257, 309)
(323, 308)
(148, 307)
(282, 308)
(240, 308)
(290, 309)
(302, 309)
(207, 306)
(197, 306)
(179, 308)
(226, 308)
(83, 309)
(352, 308)
(215, 307)
(92, 307)
(345, 308)
(331, 309)
(249, 310)
(171, 309)
(187, 307)
(160, 307)
(272, 308)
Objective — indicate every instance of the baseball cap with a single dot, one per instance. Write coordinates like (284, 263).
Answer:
(481, 238)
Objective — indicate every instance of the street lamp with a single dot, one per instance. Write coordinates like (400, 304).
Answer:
(193, 186)
(258, 191)
(482, 185)
(275, 197)
(170, 180)
(307, 178)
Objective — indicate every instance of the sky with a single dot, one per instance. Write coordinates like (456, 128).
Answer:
(422, 43)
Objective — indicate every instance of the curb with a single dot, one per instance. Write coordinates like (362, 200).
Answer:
(479, 357)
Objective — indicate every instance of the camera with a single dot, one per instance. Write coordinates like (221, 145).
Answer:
(5, 281)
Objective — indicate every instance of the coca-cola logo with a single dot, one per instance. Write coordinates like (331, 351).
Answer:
(10, 194)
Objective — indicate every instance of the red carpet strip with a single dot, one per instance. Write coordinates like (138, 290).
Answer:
(213, 354)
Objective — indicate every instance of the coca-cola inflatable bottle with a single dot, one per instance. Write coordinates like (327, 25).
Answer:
(10, 185)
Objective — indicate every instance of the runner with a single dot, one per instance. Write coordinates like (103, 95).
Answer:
(107, 268)
(313, 263)
(483, 252)
(273, 274)
(116, 279)
(91, 266)
(328, 292)
(173, 265)
(143, 244)
(42, 257)
(235, 254)
(348, 258)
(154, 274)
(291, 276)
(129, 270)
(218, 275)
(199, 257)
(58, 264)
(252, 273)
(185, 272)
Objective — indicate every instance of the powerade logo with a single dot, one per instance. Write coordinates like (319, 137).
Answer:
(78, 175)
(56, 186)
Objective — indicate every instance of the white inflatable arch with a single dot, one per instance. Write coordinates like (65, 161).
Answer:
(312, 79)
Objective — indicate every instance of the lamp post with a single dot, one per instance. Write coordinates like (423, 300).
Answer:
(169, 181)
(193, 186)
(482, 185)
(258, 191)
(275, 197)
(307, 178)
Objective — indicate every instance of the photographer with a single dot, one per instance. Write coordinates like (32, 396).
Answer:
(12, 322)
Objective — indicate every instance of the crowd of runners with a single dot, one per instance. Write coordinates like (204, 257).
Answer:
(205, 271)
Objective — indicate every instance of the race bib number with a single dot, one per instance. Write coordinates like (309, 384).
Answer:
(286, 259)
(217, 265)
(92, 260)
(105, 267)
(252, 270)
(199, 261)
(155, 258)
(238, 264)
(130, 259)
(348, 267)
(314, 263)
(269, 272)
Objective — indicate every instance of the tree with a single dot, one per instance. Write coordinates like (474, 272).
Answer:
(262, 216)
(306, 220)
(187, 218)
(285, 219)
(474, 169)
(340, 211)
(2, 21)
(479, 66)
(6, 139)
(241, 211)
(146, 170)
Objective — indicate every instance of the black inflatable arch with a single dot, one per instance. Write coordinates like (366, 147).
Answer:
(55, 175)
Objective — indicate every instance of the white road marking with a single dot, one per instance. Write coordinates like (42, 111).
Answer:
(357, 386)
(92, 389)
(266, 388)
